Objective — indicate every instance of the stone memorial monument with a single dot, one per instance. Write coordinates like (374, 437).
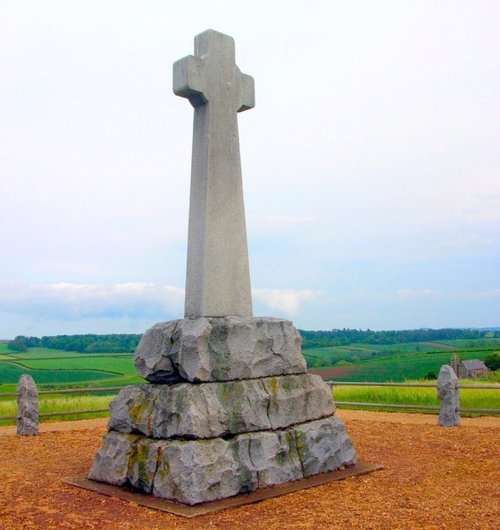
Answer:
(229, 406)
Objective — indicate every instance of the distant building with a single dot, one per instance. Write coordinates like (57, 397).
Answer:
(468, 369)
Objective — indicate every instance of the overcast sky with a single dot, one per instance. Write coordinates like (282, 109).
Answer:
(370, 162)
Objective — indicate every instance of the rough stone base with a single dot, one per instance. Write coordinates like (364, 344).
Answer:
(208, 410)
(219, 349)
(196, 471)
(229, 409)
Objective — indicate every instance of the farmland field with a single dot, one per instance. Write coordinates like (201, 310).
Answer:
(56, 367)
(395, 362)
(53, 369)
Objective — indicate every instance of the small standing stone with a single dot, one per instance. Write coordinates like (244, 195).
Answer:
(447, 387)
(27, 406)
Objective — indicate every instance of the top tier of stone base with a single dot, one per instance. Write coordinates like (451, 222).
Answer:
(219, 349)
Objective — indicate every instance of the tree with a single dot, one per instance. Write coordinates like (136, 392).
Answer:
(18, 344)
(492, 361)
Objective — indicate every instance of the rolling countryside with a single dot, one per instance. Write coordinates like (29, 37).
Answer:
(398, 362)
(55, 368)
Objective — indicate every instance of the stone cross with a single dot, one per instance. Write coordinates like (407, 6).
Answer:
(217, 277)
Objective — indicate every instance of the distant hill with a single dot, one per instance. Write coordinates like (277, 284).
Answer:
(125, 343)
(89, 343)
(344, 337)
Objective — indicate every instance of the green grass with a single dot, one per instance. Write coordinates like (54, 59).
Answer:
(11, 372)
(61, 403)
(41, 352)
(414, 396)
(113, 365)
(56, 367)
(52, 369)
(464, 344)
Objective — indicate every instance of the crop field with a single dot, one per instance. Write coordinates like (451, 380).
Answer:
(397, 362)
(53, 369)
(56, 367)
(330, 355)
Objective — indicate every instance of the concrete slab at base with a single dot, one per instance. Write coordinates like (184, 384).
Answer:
(185, 510)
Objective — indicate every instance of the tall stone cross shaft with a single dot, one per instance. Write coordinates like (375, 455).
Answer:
(218, 277)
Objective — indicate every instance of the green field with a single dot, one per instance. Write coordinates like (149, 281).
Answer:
(397, 362)
(414, 396)
(56, 367)
(53, 369)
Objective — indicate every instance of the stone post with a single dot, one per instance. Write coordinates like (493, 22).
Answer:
(447, 388)
(27, 406)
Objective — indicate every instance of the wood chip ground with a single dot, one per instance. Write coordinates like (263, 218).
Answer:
(434, 478)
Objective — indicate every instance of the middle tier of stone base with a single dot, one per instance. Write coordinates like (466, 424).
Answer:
(209, 410)
(195, 471)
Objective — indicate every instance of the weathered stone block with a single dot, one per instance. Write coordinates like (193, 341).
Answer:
(324, 445)
(27, 406)
(143, 462)
(152, 356)
(447, 388)
(198, 471)
(272, 455)
(219, 349)
(297, 398)
(194, 471)
(112, 460)
(209, 410)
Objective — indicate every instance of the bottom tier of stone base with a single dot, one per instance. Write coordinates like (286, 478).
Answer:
(195, 471)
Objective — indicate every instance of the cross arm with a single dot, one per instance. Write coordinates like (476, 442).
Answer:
(188, 80)
(247, 93)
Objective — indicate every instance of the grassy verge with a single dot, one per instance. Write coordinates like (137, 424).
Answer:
(469, 398)
(61, 403)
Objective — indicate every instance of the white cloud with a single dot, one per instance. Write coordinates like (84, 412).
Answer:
(407, 293)
(287, 301)
(69, 301)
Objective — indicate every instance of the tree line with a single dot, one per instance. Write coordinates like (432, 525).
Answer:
(125, 343)
(346, 336)
(90, 343)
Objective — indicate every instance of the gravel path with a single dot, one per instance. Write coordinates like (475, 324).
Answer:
(433, 478)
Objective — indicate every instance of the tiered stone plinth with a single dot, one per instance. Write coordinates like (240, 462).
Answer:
(229, 409)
